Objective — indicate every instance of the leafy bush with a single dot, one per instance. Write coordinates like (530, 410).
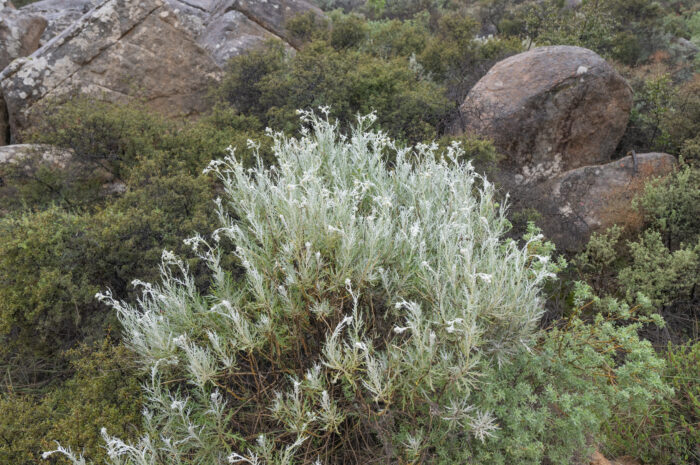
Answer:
(367, 310)
(670, 433)
(102, 390)
(652, 106)
(48, 282)
(456, 57)
(625, 30)
(658, 267)
(271, 86)
(672, 207)
(76, 239)
(680, 277)
(381, 316)
(583, 373)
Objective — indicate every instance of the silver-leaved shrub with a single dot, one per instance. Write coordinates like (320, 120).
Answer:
(377, 305)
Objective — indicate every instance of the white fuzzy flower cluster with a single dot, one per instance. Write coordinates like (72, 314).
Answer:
(366, 291)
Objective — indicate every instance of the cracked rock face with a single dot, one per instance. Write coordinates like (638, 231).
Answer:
(59, 14)
(19, 36)
(165, 52)
(549, 110)
(594, 198)
(120, 50)
(228, 28)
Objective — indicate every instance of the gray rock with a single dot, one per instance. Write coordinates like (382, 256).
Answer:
(272, 15)
(594, 198)
(19, 153)
(166, 52)
(549, 110)
(118, 51)
(59, 14)
(228, 28)
(5, 135)
(19, 36)
(231, 34)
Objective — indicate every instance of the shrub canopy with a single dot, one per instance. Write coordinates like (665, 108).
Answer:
(373, 299)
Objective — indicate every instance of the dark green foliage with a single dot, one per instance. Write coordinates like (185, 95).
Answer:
(670, 433)
(48, 282)
(305, 27)
(677, 282)
(455, 57)
(388, 39)
(672, 207)
(272, 86)
(99, 134)
(58, 257)
(659, 268)
(552, 404)
(348, 31)
(102, 391)
(647, 128)
(628, 31)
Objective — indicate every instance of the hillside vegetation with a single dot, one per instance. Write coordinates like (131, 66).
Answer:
(349, 286)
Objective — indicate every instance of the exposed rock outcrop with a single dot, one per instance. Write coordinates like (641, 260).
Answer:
(19, 36)
(17, 154)
(231, 33)
(593, 198)
(121, 49)
(59, 14)
(550, 110)
(225, 28)
(166, 52)
(273, 16)
(557, 114)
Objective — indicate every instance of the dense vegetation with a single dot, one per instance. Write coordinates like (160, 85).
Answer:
(614, 363)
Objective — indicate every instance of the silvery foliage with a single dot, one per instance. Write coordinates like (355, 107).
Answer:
(323, 236)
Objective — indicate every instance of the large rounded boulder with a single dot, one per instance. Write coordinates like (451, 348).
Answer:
(549, 110)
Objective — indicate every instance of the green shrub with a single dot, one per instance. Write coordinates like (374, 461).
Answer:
(102, 391)
(272, 87)
(682, 121)
(99, 134)
(57, 257)
(660, 265)
(306, 27)
(672, 207)
(381, 317)
(677, 282)
(394, 38)
(348, 31)
(625, 30)
(582, 374)
(457, 58)
(48, 282)
(653, 105)
(670, 433)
